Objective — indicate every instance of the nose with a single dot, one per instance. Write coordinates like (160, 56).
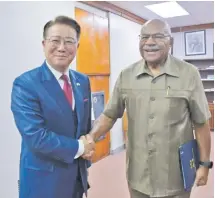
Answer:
(61, 47)
(150, 41)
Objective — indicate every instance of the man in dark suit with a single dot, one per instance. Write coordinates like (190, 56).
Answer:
(52, 110)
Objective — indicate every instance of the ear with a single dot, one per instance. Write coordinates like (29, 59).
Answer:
(43, 43)
(78, 45)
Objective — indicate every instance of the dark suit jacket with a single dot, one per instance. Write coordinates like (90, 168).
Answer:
(45, 121)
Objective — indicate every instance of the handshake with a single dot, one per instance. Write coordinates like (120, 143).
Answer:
(89, 146)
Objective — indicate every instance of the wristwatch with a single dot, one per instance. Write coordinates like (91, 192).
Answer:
(208, 164)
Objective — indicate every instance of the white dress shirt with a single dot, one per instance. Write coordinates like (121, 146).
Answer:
(58, 75)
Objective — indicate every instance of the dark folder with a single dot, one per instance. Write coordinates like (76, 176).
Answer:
(189, 162)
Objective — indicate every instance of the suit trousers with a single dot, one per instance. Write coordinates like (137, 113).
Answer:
(137, 194)
(79, 190)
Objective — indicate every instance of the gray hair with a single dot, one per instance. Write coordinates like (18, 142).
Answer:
(161, 23)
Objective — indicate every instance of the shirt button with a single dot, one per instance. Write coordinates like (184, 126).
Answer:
(151, 151)
(151, 116)
(152, 98)
(153, 81)
(150, 135)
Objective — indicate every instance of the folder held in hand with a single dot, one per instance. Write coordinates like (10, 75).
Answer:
(189, 162)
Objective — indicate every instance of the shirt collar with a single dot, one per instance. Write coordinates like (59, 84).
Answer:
(56, 73)
(169, 67)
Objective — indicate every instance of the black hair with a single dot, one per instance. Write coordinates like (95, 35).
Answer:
(65, 21)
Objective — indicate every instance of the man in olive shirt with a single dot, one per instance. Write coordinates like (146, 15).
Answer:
(164, 97)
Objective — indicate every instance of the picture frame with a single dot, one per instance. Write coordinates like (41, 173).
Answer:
(195, 43)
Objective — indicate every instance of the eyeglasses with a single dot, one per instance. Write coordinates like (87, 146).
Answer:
(56, 41)
(155, 37)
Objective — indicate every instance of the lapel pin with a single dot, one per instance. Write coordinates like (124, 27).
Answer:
(78, 84)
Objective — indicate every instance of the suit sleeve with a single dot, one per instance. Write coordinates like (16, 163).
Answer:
(89, 118)
(31, 125)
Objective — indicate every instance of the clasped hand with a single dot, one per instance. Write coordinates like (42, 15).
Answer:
(89, 147)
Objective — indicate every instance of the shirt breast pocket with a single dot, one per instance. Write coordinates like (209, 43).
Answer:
(177, 103)
(134, 100)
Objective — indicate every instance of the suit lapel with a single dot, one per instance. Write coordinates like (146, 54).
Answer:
(53, 88)
(77, 91)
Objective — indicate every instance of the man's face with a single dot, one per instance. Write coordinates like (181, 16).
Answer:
(154, 43)
(60, 46)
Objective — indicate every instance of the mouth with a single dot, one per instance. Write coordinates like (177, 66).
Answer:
(60, 56)
(151, 50)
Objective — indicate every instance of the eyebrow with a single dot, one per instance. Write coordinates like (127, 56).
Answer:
(159, 33)
(68, 37)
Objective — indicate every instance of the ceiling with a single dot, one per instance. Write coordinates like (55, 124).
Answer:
(201, 12)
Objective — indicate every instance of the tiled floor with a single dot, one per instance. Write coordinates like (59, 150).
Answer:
(107, 179)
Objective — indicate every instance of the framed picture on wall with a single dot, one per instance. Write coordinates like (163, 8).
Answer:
(195, 43)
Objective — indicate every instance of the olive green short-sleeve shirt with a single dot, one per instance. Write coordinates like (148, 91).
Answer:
(161, 111)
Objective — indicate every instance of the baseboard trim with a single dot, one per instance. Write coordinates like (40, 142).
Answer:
(118, 149)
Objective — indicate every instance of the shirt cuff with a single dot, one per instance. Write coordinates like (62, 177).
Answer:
(80, 149)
